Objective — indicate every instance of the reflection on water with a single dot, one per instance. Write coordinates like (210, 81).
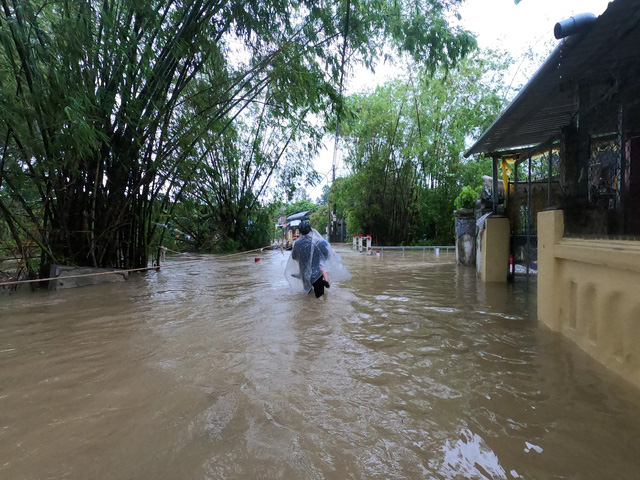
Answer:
(216, 370)
(470, 457)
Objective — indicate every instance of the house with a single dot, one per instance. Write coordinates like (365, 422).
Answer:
(289, 227)
(579, 113)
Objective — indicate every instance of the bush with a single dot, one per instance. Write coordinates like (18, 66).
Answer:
(466, 198)
(226, 245)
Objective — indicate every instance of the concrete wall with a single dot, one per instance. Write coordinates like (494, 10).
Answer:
(494, 258)
(465, 228)
(589, 290)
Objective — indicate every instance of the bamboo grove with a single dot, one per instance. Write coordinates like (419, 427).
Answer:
(116, 111)
(404, 148)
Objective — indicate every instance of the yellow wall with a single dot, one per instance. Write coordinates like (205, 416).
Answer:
(494, 260)
(589, 290)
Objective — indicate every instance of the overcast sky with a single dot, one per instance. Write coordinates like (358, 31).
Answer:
(497, 24)
(503, 24)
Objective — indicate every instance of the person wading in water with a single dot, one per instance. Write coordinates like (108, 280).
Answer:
(311, 252)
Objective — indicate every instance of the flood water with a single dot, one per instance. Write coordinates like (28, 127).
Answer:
(215, 370)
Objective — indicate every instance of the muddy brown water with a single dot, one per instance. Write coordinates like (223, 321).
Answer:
(215, 370)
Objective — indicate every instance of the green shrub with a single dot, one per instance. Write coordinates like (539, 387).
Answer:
(466, 198)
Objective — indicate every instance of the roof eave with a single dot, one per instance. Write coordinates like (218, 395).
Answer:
(548, 66)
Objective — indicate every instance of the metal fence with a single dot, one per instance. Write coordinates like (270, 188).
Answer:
(436, 249)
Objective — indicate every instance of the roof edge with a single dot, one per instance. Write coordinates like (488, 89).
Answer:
(550, 63)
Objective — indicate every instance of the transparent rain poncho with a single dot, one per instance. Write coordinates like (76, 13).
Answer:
(310, 257)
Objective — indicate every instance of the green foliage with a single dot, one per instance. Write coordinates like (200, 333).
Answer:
(404, 146)
(320, 218)
(324, 197)
(347, 194)
(226, 245)
(300, 206)
(473, 169)
(466, 198)
(259, 232)
(121, 115)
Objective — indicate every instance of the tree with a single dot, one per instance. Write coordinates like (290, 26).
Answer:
(261, 150)
(111, 108)
(324, 196)
(319, 218)
(404, 145)
(299, 206)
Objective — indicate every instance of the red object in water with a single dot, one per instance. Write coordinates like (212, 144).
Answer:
(257, 259)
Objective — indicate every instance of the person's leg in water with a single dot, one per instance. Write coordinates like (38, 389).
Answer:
(320, 284)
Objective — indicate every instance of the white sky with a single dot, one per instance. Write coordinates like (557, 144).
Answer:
(498, 24)
(503, 24)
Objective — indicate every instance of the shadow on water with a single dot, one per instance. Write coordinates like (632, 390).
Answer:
(413, 369)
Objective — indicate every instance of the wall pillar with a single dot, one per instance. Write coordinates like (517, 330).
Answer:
(465, 228)
(495, 250)
(550, 232)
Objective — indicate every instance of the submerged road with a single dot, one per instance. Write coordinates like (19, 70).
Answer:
(215, 370)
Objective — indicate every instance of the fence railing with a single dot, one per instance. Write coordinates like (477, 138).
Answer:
(436, 248)
(363, 244)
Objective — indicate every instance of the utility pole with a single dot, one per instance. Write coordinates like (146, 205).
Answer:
(333, 224)
(333, 215)
(331, 229)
